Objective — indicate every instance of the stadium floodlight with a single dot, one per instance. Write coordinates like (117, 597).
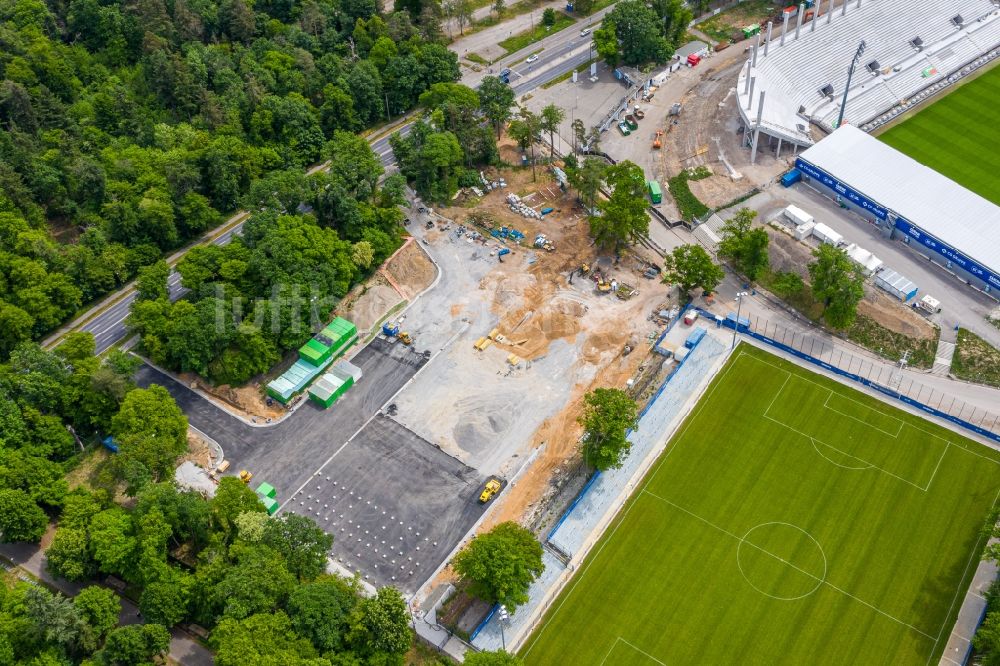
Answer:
(850, 73)
(739, 306)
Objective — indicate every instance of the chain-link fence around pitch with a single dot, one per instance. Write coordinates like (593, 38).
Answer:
(891, 381)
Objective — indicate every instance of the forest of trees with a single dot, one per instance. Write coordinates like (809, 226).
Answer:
(257, 583)
(129, 128)
(265, 292)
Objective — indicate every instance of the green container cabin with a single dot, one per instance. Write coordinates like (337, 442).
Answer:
(265, 489)
(270, 504)
(655, 193)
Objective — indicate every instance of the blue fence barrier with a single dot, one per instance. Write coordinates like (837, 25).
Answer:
(482, 625)
(885, 390)
(597, 475)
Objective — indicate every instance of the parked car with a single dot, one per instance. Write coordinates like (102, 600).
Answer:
(585, 32)
(532, 58)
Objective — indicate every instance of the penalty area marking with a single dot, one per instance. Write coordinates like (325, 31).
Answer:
(816, 445)
(637, 649)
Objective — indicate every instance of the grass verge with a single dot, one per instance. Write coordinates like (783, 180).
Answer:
(871, 335)
(725, 24)
(585, 67)
(688, 204)
(528, 37)
(976, 360)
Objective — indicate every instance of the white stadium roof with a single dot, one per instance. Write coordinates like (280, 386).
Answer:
(893, 72)
(937, 205)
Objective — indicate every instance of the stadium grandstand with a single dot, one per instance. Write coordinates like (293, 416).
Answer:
(932, 215)
(793, 83)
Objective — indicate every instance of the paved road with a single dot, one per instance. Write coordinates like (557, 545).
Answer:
(30, 557)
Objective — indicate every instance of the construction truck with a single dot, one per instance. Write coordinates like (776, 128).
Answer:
(245, 476)
(490, 490)
(657, 142)
(405, 338)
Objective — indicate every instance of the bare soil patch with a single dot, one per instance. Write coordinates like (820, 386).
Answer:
(411, 269)
(895, 316)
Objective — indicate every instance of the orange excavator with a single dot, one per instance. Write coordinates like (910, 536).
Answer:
(657, 143)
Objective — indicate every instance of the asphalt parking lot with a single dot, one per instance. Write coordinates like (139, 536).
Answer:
(395, 504)
(378, 460)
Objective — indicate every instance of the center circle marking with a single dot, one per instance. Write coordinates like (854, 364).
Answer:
(749, 544)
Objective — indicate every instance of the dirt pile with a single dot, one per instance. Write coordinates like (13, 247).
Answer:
(411, 270)
(895, 316)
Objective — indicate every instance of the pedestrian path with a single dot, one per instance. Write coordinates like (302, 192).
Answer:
(942, 358)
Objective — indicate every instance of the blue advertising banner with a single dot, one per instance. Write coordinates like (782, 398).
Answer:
(849, 194)
(948, 252)
(905, 226)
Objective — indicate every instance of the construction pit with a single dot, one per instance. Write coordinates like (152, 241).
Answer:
(532, 335)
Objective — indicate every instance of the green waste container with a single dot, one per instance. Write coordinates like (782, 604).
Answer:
(265, 489)
(270, 504)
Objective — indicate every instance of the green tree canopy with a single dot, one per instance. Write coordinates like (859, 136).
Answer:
(20, 517)
(690, 266)
(380, 627)
(301, 542)
(608, 415)
(321, 610)
(839, 283)
(496, 99)
(263, 638)
(99, 607)
(623, 217)
(639, 33)
(501, 564)
(745, 246)
(134, 644)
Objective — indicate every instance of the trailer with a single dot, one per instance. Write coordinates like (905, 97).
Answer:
(695, 337)
(928, 304)
(797, 216)
(896, 284)
(740, 324)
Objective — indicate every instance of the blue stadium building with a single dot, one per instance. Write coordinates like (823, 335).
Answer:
(935, 216)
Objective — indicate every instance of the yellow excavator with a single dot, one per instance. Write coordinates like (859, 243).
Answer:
(405, 338)
(245, 476)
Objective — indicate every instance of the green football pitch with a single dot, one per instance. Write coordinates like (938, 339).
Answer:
(957, 135)
(792, 520)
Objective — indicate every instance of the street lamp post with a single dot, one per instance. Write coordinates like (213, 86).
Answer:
(504, 616)
(739, 306)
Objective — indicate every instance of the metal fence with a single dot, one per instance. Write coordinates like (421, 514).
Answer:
(875, 374)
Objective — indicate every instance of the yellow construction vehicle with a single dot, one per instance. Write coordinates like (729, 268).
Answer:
(245, 476)
(405, 338)
(584, 269)
(491, 488)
